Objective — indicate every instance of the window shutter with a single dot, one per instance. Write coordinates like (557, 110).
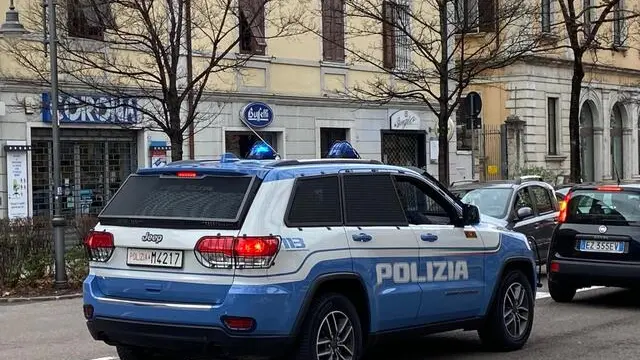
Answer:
(338, 30)
(388, 36)
(327, 30)
(487, 18)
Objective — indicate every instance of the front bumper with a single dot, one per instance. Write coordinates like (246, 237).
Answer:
(197, 340)
(580, 273)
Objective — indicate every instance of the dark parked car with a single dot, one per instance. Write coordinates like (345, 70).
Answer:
(597, 241)
(526, 205)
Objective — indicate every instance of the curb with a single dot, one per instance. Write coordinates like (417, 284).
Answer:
(19, 300)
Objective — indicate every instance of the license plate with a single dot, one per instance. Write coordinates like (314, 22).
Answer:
(153, 257)
(616, 247)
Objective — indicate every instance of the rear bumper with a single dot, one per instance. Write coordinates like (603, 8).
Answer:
(590, 273)
(185, 339)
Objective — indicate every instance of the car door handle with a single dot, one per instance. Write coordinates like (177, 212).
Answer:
(428, 237)
(362, 237)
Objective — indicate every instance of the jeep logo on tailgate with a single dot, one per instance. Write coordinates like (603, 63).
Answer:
(154, 238)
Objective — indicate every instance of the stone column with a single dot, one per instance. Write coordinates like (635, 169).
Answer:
(600, 153)
(627, 153)
(515, 144)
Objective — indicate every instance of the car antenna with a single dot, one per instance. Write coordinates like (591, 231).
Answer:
(615, 170)
(277, 155)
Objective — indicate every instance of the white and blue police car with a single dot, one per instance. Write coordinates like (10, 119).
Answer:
(303, 259)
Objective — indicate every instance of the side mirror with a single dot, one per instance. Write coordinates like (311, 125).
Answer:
(470, 215)
(524, 212)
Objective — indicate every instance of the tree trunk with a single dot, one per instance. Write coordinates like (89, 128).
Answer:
(177, 142)
(575, 174)
(443, 146)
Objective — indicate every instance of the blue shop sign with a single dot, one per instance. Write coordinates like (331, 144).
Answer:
(257, 115)
(92, 109)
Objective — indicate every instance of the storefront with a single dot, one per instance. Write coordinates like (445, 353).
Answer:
(256, 118)
(404, 143)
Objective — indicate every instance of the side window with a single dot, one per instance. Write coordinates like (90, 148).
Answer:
(371, 200)
(315, 201)
(421, 204)
(522, 200)
(544, 204)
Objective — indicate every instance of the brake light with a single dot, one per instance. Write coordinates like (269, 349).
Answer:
(186, 174)
(609, 188)
(99, 246)
(562, 215)
(255, 252)
(238, 323)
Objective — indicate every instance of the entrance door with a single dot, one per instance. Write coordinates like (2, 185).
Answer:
(240, 143)
(404, 148)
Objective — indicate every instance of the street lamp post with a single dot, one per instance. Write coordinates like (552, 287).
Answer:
(58, 220)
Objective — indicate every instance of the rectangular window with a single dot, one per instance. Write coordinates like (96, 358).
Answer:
(364, 209)
(208, 199)
(252, 27)
(552, 126)
(333, 30)
(315, 202)
(618, 24)
(546, 16)
(467, 15)
(588, 9)
(328, 136)
(89, 19)
(396, 42)
(487, 21)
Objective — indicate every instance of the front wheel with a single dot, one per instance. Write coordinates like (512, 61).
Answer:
(510, 319)
(331, 330)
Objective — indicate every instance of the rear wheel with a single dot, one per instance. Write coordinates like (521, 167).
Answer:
(331, 330)
(561, 293)
(510, 318)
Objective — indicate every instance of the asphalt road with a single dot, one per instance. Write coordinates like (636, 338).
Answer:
(599, 324)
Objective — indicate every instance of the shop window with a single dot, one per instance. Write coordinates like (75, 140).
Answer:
(89, 19)
(240, 143)
(328, 136)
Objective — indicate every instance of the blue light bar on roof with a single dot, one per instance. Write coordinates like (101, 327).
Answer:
(342, 149)
(261, 151)
(228, 157)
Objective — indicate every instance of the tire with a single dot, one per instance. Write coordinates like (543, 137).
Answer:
(561, 293)
(135, 353)
(502, 332)
(314, 330)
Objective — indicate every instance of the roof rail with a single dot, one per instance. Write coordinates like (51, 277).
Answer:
(526, 178)
(464, 181)
(324, 161)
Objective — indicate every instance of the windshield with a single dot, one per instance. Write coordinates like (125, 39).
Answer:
(490, 201)
(591, 206)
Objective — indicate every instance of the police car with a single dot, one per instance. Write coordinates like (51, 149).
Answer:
(305, 259)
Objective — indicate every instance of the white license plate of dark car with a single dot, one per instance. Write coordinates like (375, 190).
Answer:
(154, 257)
(614, 247)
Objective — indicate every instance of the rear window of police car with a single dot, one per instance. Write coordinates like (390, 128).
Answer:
(590, 206)
(207, 198)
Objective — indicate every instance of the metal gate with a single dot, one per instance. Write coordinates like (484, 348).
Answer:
(93, 165)
(404, 148)
(491, 157)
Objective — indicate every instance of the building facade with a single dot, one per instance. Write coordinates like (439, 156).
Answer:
(287, 94)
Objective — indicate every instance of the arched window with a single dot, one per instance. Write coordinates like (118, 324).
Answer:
(617, 165)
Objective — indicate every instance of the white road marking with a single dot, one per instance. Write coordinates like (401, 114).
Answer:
(544, 295)
(106, 358)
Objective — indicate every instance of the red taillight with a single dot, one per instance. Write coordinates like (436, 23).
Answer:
(609, 188)
(240, 252)
(186, 174)
(99, 245)
(238, 323)
(562, 215)
(554, 267)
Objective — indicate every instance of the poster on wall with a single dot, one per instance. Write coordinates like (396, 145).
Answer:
(17, 181)
(158, 154)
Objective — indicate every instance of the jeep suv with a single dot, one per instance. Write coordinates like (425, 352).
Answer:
(315, 259)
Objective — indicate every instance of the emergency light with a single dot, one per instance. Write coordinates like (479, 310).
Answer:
(261, 151)
(342, 149)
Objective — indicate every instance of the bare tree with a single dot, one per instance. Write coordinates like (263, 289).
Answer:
(585, 27)
(124, 49)
(431, 50)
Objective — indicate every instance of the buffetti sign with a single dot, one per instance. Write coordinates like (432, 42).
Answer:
(405, 120)
(257, 115)
(92, 109)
